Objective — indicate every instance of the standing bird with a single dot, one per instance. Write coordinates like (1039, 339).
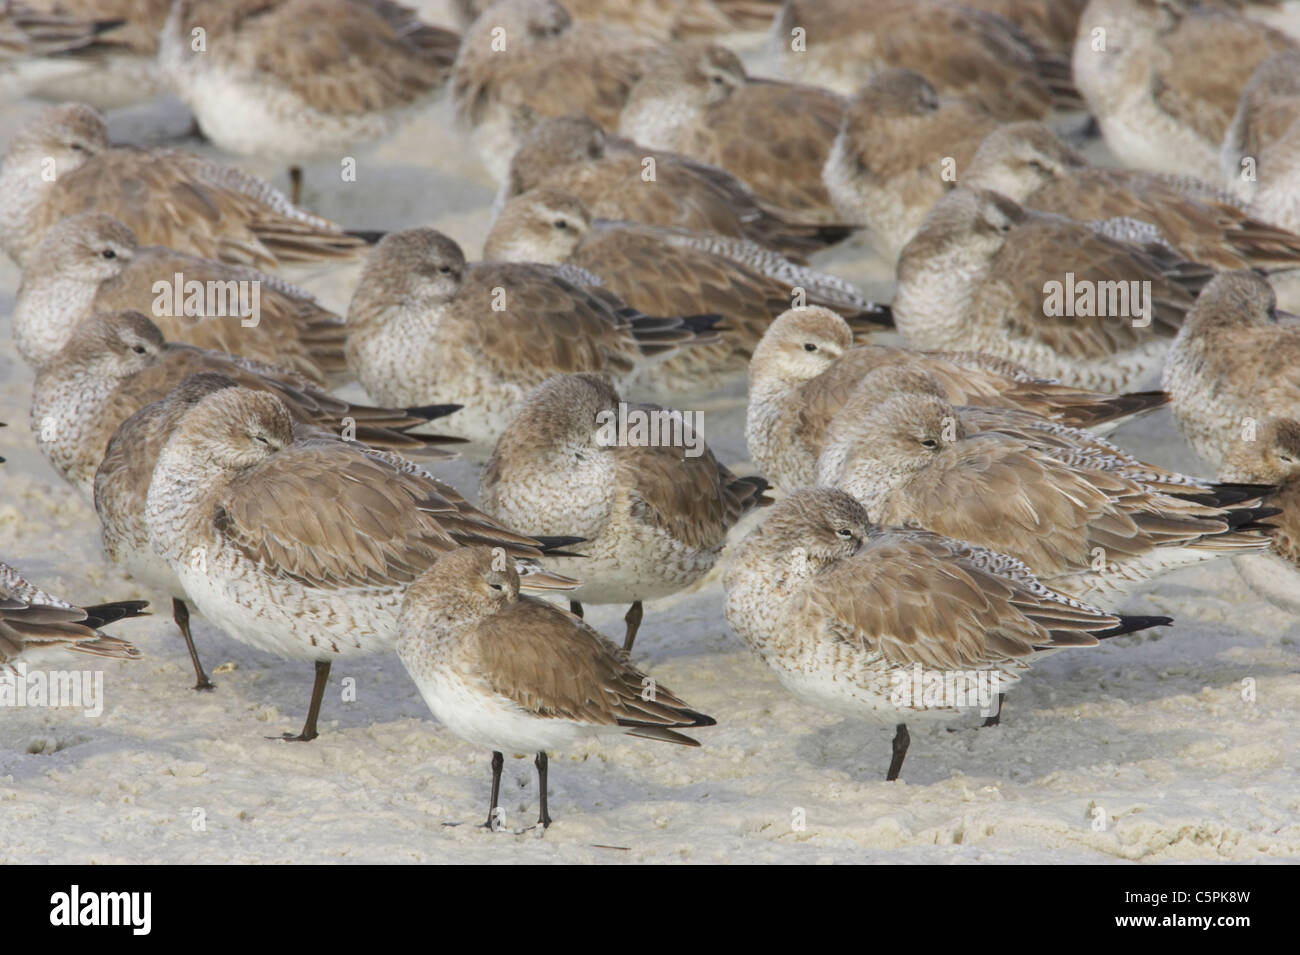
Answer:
(844, 611)
(91, 263)
(425, 326)
(1272, 456)
(618, 179)
(1058, 296)
(517, 675)
(1028, 163)
(522, 60)
(121, 482)
(650, 500)
(806, 369)
(36, 627)
(61, 163)
(296, 80)
(1096, 534)
(900, 147)
(774, 136)
(1234, 364)
(1141, 66)
(234, 506)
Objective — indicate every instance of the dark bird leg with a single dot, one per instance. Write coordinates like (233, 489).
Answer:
(544, 817)
(996, 718)
(295, 184)
(901, 742)
(575, 608)
(181, 614)
(633, 621)
(317, 694)
(497, 762)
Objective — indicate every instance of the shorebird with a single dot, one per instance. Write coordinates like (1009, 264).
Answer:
(1094, 534)
(121, 481)
(517, 674)
(775, 136)
(60, 163)
(1074, 446)
(851, 615)
(1028, 163)
(118, 362)
(99, 52)
(1258, 157)
(960, 50)
(1272, 456)
(1056, 295)
(806, 368)
(1141, 67)
(616, 178)
(664, 271)
(675, 20)
(529, 59)
(297, 80)
(425, 326)
(91, 262)
(1233, 364)
(234, 508)
(635, 481)
(37, 628)
(900, 147)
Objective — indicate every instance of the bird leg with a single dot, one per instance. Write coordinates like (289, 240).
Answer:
(497, 762)
(633, 621)
(996, 718)
(544, 817)
(295, 184)
(181, 614)
(901, 742)
(317, 694)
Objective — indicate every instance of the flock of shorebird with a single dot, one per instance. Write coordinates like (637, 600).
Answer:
(950, 504)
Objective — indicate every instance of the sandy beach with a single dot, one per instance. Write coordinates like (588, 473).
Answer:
(1176, 745)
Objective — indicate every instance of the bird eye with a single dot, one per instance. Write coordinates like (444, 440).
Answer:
(929, 443)
(445, 269)
(809, 346)
(561, 224)
(495, 586)
(108, 254)
(844, 532)
(138, 349)
(76, 147)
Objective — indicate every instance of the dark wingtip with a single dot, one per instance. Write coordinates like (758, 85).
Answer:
(554, 545)
(431, 412)
(1129, 623)
(881, 316)
(700, 323)
(99, 615)
(1248, 518)
(368, 236)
